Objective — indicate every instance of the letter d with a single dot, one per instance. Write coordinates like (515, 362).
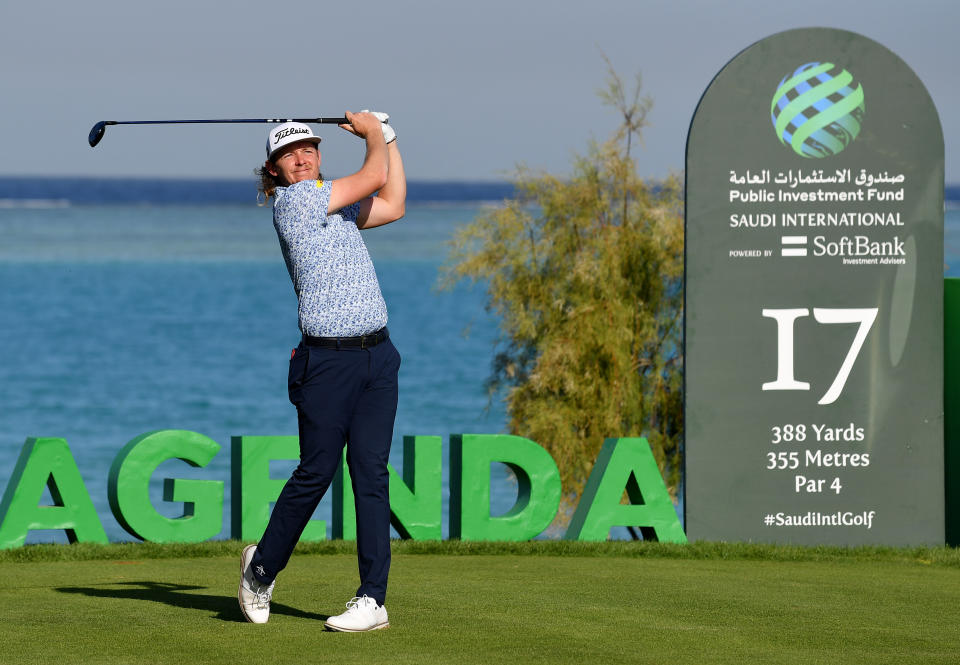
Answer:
(538, 481)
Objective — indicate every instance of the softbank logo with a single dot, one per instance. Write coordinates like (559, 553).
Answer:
(793, 245)
(845, 246)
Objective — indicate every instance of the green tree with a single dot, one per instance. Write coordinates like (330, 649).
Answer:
(585, 275)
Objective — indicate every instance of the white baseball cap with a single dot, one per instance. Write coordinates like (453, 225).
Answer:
(289, 132)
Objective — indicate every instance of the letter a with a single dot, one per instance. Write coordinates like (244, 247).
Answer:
(47, 462)
(625, 464)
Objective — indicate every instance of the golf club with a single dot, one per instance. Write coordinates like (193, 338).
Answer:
(98, 129)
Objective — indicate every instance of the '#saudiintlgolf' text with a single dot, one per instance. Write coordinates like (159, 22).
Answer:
(839, 518)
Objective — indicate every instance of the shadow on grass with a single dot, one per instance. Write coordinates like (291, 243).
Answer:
(225, 608)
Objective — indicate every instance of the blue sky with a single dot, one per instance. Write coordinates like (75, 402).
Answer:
(474, 89)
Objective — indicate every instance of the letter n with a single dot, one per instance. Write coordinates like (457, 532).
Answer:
(416, 507)
(47, 462)
(343, 513)
(626, 463)
(416, 504)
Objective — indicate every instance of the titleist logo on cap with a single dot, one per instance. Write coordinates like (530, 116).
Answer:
(283, 133)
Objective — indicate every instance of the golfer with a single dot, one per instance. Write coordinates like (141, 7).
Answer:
(343, 374)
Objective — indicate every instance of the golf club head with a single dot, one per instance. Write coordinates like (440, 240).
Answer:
(97, 132)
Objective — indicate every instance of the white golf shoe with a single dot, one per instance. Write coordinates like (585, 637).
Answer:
(362, 614)
(254, 597)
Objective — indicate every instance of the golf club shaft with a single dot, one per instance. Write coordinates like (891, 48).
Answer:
(98, 129)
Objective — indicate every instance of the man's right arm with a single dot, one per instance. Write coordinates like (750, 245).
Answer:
(372, 176)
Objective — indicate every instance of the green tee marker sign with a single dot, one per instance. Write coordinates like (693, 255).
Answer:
(814, 291)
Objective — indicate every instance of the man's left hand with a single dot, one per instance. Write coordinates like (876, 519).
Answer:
(389, 134)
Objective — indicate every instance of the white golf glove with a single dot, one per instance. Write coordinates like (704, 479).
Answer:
(389, 135)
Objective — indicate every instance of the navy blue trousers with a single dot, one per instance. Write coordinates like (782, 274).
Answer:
(345, 396)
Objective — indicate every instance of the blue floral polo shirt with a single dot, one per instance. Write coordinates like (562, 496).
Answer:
(328, 262)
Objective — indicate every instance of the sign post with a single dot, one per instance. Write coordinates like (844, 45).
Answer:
(814, 298)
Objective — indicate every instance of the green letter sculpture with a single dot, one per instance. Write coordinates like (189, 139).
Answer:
(416, 501)
(128, 488)
(537, 477)
(416, 507)
(254, 491)
(625, 464)
(47, 462)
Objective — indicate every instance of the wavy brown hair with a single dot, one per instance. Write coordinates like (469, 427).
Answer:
(267, 184)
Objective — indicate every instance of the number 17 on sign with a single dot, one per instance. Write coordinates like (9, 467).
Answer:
(785, 319)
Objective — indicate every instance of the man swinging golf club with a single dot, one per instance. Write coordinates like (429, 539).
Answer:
(343, 374)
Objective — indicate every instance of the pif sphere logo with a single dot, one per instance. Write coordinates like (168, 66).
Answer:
(818, 109)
